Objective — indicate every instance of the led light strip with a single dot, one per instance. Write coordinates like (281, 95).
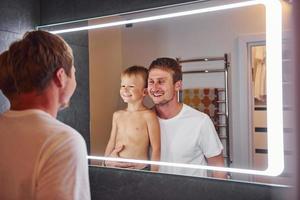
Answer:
(158, 17)
(191, 166)
(274, 87)
(274, 84)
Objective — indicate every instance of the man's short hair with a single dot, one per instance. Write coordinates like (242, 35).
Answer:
(170, 65)
(30, 63)
(6, 81)
(137, 71)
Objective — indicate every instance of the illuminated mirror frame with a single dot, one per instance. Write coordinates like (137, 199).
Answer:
(274, 84)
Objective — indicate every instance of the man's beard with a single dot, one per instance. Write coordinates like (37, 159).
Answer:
(166, 101)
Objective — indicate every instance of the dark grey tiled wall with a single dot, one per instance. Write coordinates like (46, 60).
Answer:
(108, 184)
(17, 17)
(78, 115)
(66, 10)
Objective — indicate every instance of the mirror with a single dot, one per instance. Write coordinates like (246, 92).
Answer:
(200, 30)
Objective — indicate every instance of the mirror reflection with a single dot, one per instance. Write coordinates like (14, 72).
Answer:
(205, 36)
(217, 78)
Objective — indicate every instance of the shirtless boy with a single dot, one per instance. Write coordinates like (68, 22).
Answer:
(136, 128)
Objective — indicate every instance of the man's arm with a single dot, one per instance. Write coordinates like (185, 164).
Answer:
(154, 135)
(212, 147)
(217, 161)
(115, 154)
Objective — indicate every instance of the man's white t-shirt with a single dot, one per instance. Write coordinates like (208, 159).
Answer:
(188, 138)
(41, 158)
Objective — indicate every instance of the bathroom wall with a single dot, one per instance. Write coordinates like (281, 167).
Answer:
(16, 17)
(115, 184)
(68, 10)
(105, 66)
(77, 115)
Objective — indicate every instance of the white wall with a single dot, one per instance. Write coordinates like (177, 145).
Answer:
(105, 62)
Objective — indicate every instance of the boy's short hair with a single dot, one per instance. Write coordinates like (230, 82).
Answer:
(31, 62)
(137, 71)
(170, 65)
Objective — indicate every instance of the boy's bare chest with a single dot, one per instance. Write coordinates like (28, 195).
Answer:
(132, 123)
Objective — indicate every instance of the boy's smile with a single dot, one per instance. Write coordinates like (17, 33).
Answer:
(132, 88)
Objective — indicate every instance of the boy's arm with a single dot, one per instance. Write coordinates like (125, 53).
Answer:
(154, 135)
(112, 150)
(112, 139)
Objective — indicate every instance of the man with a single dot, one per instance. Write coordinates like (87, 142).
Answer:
(41, 158)
(187, 135)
